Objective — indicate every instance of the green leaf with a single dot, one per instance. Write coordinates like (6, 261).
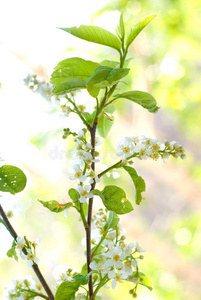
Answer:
(112, 220)
(12, 179)
(138, 28)
(96, 192)
(89, 117)
(55, 206)
(120, 29)
(110, 109)
(67, 289)
(95, 34)
(142, 98)
(74, 67)
(104, 125)
(110, 63)
(84, 269)
(115, 200)
(74, 195)
(143, 279)
(104, 76)
(138, 181)
(12, 253)
(69, 86)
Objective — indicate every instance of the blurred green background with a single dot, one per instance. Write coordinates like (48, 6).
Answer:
(166, 63)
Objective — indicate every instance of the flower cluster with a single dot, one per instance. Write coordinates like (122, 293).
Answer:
(41, 87)
(81, 170)
(145, 148)
(113, 259)
(27, 250)
(66, 276)
(22, 288)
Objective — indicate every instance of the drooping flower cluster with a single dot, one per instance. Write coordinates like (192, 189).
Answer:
(27, 250)
(81, 166)
(144, 148)
(22, 288)
(113, 259)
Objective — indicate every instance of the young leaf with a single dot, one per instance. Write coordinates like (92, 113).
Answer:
(138, 28)
(55, 206)
(138, 182)
(89, 117)
(106, 76)
(12, 179)
(142, 98)
(115, 200)
(12, 253)
(74, 67)
(95, 34)
(143, 279)
(67, 289)
(120, 28)
(104, 125)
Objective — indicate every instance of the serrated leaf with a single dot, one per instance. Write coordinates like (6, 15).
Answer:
(69, 86)
(12, 179)
(104, 76)
(144, 280)
(138, 28)
(138, 181)
(96, 35)
(67, 289)
(74, 67)
(55, 206)
(142, 98)
(104, 125)
(115, 200)
(12, 253)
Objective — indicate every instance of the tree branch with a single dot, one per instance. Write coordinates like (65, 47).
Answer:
(34, 266)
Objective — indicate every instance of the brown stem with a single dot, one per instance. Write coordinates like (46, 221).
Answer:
(34, 266)
(90, 207)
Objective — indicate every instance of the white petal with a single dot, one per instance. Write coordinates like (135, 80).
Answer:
(112, 274)
(118, 264)
(113, 284)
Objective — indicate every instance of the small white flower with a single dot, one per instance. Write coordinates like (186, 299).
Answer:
(31, 258)
(138, 248)
(116, 277)
(78, 174)
(84, 192)
(45, 89)
(20, 242)
(115, 257)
